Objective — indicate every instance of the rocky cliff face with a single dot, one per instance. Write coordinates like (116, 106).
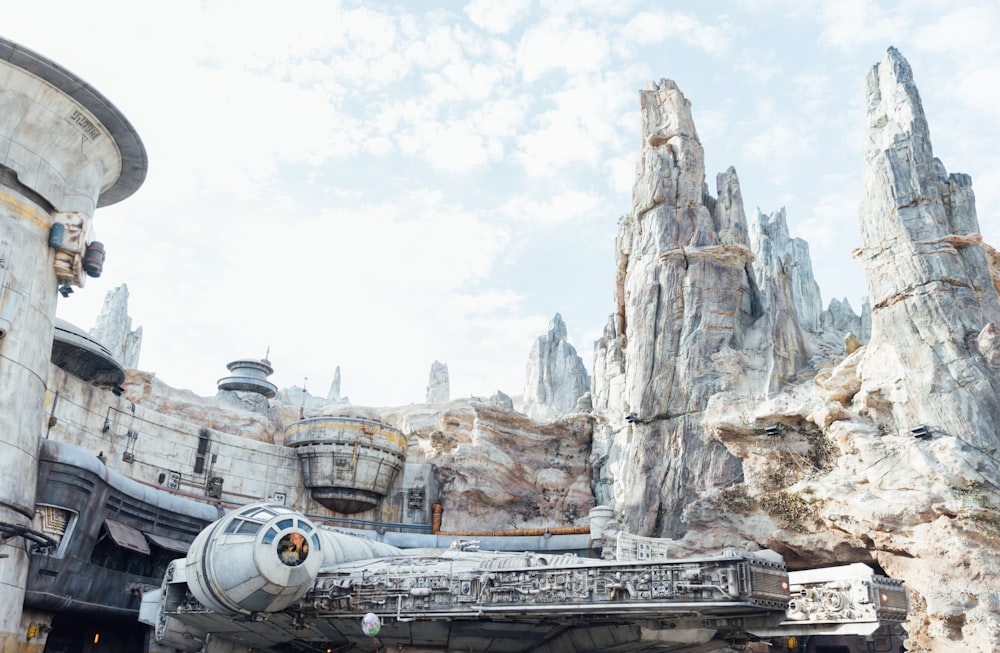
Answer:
(889, 456)
(934, 305)
(835, 451)
(686, 306)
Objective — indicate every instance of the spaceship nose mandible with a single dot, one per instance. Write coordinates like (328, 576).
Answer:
(260, 558)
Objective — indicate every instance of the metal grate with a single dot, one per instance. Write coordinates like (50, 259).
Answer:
(768, 583)
(891, 599)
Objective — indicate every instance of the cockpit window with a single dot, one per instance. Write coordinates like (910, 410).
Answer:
(249, 527)
(293, 549)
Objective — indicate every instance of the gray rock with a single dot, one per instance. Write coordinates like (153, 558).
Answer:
(685, 300)
(779, 256)
(840, 319)
(334, 394)
(113, 328)
(928, 277)
(556, 377)
(438, 384)
(789, 296)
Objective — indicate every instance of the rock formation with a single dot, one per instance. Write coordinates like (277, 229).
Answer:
(334, 393)
(556, 377)
(790, 300)
(113, 328)
(929, 283)
(840, 318)
(685, 299)
(438, 384)
(777, 254)
(889, 456)
(499, 470)
(930, 362)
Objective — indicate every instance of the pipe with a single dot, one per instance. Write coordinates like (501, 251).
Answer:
(56, 603)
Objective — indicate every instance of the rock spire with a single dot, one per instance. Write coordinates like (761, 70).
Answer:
(934, 305)
(113, 328)
(556, 377)
(685, 299)
(438, 384)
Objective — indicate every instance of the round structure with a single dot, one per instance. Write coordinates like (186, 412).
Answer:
(249, 376)
(348, 463)
(75, 351)
(260, 558)
(120, 180)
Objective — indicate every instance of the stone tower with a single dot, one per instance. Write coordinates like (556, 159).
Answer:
(64, 151)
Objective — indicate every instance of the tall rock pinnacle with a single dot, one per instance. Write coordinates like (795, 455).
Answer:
(113, 328)
(685, 298)
(555, 377)
(934, 305)
(438, 384)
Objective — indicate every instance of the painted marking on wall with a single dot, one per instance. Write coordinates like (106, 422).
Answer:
(89, 129)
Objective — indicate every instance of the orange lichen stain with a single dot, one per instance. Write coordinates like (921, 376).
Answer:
(24, 210)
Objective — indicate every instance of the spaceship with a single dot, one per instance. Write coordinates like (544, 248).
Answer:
(267, 578)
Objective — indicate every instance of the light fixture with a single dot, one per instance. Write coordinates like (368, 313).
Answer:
(772, 429)
(921, 431)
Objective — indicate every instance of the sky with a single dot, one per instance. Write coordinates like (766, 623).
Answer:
(379, 185)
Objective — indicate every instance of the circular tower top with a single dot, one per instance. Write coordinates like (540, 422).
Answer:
(249, 375)
(133, 160)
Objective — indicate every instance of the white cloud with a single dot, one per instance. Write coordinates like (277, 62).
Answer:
(760, 64)
(578, 129)
(560, 207)
(852, 24)
(780, 140)
(831, 228)
(621, 175)
(497, 17)
(652, 27)
(288, 149)
(559, 44)
(950, 39)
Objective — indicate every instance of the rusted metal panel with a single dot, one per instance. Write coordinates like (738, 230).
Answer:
(126, 536)
(169, 543)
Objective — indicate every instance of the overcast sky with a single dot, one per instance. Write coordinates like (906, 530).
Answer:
(381, 185)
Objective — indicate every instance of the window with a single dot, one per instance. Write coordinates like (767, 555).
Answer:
(204, 437)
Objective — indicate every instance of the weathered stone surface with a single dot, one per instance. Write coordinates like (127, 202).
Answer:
(499, 470)
(113, 328)
(846, 480)
(779, 256)
(934, 305)
(928, 277)
(556, 377)
(684, 292)
(789, 296)
(839, 319)
(438, 384)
